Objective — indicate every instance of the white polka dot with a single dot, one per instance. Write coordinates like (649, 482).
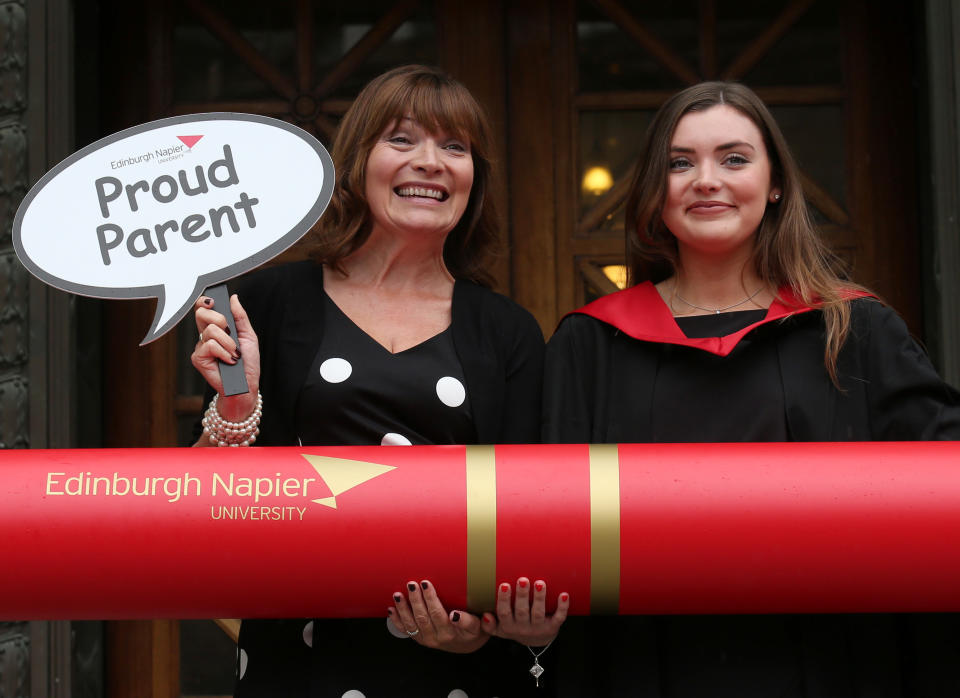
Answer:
(392, 439)
(457, 693)
(335, 370)
(395, 631)
(308, 634)
(451, 391)
(243, 663)
(353, 693)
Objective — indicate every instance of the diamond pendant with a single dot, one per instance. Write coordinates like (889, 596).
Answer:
(536, 670)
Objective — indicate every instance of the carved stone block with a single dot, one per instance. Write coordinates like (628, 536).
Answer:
(13, 175)
(14, 312)
(13, 57)
(14, 408)
(14, 660)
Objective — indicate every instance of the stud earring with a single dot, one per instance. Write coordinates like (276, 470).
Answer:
(776, 197)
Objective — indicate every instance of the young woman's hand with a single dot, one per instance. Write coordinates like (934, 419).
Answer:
(526, 620)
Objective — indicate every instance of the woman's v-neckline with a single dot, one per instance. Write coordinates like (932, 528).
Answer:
(385, 349)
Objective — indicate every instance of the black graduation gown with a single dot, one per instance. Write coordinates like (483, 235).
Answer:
(602, 367)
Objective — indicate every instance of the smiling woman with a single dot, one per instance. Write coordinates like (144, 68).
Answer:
(436, 106)
(390, 336)
(417, 181)
(718, 188)
(738, 325)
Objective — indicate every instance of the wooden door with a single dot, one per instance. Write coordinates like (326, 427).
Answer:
(570, 86)
(586, 78)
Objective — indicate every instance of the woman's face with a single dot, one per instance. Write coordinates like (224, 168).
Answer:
(418, 181)
(718, 184)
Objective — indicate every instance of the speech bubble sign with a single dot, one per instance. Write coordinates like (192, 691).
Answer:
(167, 208)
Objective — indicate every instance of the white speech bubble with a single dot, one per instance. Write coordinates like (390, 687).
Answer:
(170, 207)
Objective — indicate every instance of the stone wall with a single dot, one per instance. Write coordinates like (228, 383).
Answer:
(14, 279)
(14, 284)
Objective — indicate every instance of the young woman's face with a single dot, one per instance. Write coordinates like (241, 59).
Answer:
(418, 181)
(718, 184)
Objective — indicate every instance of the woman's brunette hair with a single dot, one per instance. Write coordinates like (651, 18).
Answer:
(438, 103)
(788, 251)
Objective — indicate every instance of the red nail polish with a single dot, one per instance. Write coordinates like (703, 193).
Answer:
(522, 583)
(504, 587)
(564, 597)
(487, 618)
(538, 586)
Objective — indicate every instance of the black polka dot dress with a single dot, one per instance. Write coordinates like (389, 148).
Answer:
(359, 393)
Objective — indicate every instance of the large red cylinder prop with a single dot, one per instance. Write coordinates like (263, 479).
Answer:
(333, 532)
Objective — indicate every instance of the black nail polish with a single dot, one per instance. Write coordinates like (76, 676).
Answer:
(208, 302)
(424, 585)
(456, 616)
(411, 586)
(398, 597)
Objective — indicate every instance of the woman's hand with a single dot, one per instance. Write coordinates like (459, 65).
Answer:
(425, 620)
(215, 343)
(526, 621)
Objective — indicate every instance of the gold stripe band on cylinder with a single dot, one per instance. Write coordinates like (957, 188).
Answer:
(481, 481)
(604, 529)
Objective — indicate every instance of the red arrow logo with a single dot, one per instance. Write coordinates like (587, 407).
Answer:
(189, 141)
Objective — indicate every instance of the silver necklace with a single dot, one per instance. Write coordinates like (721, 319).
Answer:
(536, 669)
(716, 311)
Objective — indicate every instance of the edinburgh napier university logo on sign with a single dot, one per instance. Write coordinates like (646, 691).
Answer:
(231, 497)
(163, 154)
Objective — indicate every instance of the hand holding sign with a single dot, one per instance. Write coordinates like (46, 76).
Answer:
(221, 340)
(171, 207)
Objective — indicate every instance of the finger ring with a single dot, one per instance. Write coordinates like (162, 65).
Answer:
(201, 337)
(415, 632)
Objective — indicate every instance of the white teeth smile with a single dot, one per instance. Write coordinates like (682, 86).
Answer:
(421, 191)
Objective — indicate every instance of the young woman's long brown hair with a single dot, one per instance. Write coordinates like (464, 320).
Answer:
(788, 251)
(438, 102)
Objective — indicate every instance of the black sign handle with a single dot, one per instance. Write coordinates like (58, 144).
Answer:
(232, 375)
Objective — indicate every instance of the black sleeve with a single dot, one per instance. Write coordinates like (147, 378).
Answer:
(568, 388)
(520, 421)
(907, 399)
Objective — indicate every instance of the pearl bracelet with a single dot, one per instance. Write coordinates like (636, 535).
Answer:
(222, 432)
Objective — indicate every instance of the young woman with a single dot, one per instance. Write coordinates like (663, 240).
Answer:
(737, 326)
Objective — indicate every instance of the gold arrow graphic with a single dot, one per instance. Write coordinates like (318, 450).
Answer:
(341, 474)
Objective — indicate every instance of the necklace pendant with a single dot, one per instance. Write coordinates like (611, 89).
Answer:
(536, 670)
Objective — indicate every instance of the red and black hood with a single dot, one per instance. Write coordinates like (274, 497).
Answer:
(640, 312)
